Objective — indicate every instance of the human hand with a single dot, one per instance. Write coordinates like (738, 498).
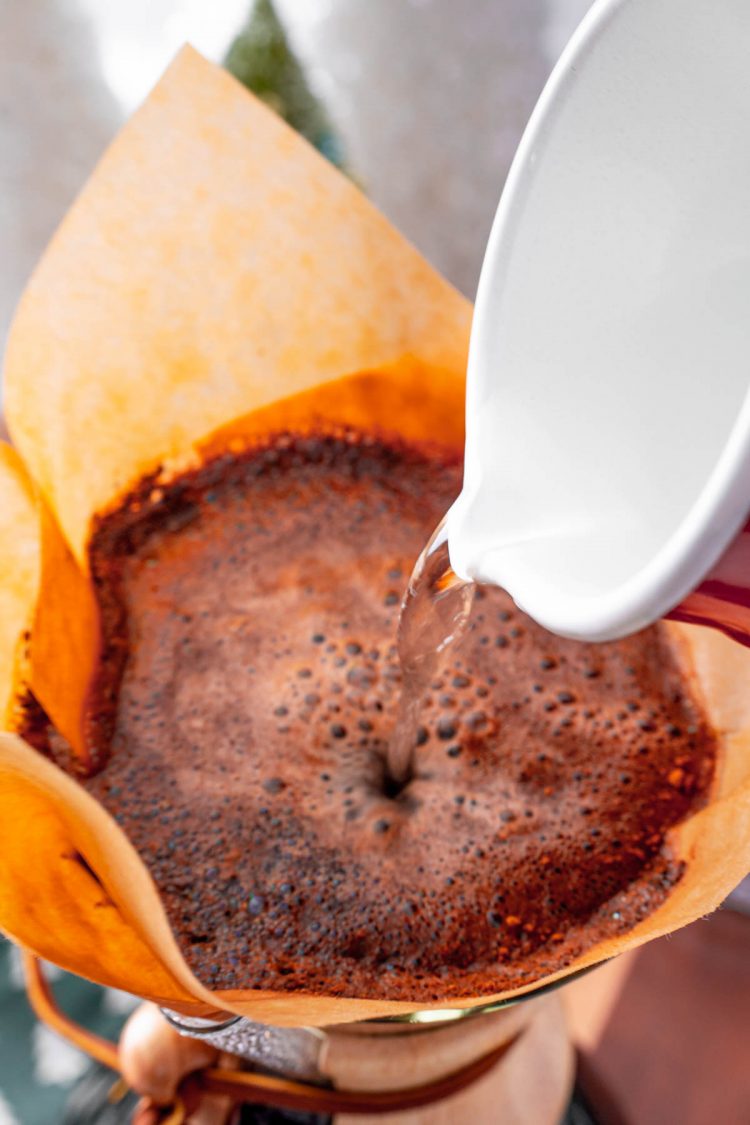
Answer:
(155, 1058)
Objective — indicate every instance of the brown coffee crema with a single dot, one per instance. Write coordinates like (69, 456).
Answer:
(249, 688)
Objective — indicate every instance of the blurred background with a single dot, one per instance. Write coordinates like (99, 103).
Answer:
(422, 102)
(427, 99)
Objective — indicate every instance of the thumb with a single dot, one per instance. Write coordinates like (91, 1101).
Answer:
(155, 1058)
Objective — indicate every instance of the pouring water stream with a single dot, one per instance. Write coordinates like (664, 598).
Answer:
(434, 614)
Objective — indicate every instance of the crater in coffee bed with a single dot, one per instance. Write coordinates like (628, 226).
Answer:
(255, 606)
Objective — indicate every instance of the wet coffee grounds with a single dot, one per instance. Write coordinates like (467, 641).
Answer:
(249, 689)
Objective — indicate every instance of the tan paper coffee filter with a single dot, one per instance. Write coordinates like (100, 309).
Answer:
(217, 281)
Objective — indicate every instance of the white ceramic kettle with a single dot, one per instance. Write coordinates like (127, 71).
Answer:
(608, 416)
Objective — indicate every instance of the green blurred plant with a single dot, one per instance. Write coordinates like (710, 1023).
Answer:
(263, 61)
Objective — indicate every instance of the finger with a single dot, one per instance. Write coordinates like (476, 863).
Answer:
(213, 1110)
(155, 1058)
